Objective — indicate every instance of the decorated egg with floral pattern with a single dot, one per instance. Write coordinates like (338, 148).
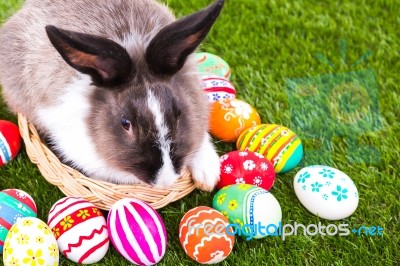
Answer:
(80, 230)
(326, 192)
(230, 117)
(255, 212)
(246, 167)
(280, 145)
(203, 235)
(30, 242)
(217, 88)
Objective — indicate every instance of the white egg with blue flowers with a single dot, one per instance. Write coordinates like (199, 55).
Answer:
(326, 192)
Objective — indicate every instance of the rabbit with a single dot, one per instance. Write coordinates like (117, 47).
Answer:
(113, 86)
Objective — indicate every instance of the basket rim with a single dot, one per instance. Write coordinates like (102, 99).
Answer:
(101, 193)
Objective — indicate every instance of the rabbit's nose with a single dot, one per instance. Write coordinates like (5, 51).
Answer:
(166, 182)
(166, 176)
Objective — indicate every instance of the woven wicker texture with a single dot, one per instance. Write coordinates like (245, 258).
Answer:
(103, 194)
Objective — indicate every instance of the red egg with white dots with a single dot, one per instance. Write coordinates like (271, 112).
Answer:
(10, 141)
(246, 167)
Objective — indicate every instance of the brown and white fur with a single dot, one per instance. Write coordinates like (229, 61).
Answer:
(112, 85)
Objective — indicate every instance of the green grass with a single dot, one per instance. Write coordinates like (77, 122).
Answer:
(266, 43)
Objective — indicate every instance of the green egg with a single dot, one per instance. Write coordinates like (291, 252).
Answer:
(251, 210)
(212, 65)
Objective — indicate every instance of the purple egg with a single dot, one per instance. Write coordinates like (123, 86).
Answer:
(137, 231)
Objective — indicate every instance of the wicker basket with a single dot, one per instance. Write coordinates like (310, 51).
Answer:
(103, 194)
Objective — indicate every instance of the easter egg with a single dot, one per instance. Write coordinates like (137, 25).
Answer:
(80, 230)
(217, 88)
(14, 205)
(326, 192)
(203, 235)
(246, 167)
(281, 146)
(210, 64)
(137, 231)
(30, 242)
(230, 117)
(10, 141)
(255, 212)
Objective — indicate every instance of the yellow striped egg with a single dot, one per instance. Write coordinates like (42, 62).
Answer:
(280, 145)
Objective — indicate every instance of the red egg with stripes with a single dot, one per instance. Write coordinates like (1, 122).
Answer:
(137, 231)
(80, 230)
(10, 141)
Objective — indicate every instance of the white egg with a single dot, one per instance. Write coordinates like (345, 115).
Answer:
(326, 192)
(80, 230)
(30, 242)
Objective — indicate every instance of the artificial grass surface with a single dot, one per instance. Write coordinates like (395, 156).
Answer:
(267, 44)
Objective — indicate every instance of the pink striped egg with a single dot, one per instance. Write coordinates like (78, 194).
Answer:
(137, 231)
(80, 230)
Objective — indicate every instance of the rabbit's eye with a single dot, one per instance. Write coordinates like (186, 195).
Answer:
(126, 124)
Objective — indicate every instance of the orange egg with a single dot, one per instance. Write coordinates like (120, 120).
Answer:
(230, 117)
(204, 237)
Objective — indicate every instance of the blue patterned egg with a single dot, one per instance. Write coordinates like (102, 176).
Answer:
(14, 205)
(326, 192)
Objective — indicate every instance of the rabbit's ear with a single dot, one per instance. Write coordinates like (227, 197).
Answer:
(167, 52)
(108, 63)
